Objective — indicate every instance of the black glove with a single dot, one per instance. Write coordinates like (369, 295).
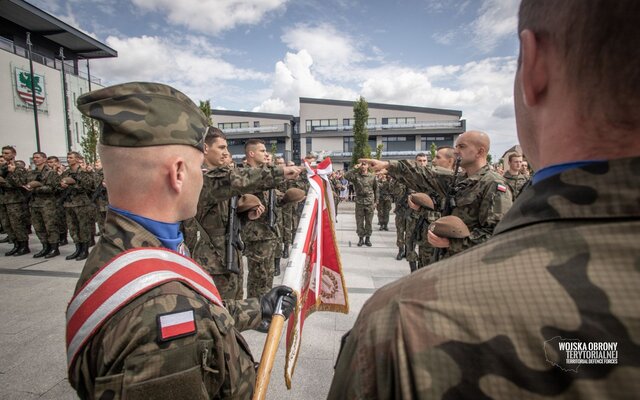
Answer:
(269, 301)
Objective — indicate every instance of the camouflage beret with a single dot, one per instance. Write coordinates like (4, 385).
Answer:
(293, 195)
(422, 199)
(248, 202)
(450, 227)
(34, 184)
(141, 114)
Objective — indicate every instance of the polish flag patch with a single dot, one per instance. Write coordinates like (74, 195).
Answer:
(501, 188)
(176, 325)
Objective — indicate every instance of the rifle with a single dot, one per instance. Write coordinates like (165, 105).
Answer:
(449, 203)
(99, 193)
(233, 237)
(272, 209)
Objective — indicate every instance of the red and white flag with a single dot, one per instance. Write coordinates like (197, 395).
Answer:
(314, 270)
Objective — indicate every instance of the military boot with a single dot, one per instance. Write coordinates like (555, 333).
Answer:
(285, 252)
(401, 254)
(412, 266)
(45, 249)
(276, 271)
(74, 254)
(63, 240)
(367, 241)
(23, 248)
(53, 251)
(360, 242)
(84, 251)
(5, 239)
(14, 250)
(263, 327)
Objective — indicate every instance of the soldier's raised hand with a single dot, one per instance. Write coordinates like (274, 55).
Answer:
(292, 172)
(374, 164)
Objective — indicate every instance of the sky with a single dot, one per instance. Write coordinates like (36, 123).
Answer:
(262, 55)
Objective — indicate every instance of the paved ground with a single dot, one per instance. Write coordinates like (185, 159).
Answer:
(34, 295)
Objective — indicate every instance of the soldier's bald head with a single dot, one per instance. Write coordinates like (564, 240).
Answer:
(478, 139)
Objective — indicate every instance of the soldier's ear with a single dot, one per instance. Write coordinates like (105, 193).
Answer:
(177, 174)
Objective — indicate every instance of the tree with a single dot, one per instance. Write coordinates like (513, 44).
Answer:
(379, 151)
(89, 141)
(274, 149)
(205, 107)
(361, 148)
(489, 158)
(433, 150)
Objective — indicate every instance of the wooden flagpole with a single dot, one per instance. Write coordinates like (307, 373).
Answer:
(269, 353)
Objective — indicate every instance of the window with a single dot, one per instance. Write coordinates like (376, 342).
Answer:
(425, 142)
(233, 125)
(398, 143)
(312, 124)
(399, 121)
(350, 121)
(256, 124)
(347, 144)
(309, 149)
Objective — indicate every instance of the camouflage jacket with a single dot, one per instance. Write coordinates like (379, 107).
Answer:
(220, 184)
(481, 199)
(125, 359)
(99, 196)
(385, 192)
(400, 194)
(516, 182)
(364, 185)
(486, 324)
(45, 195)
(80, 193)
(11, 191)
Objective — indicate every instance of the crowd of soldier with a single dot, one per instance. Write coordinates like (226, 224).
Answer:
(51, 199)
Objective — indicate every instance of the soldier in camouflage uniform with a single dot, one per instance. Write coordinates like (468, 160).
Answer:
(400, 195)
(513, 177)
(364, 184)
(385, 198)
(411, 223)
(77, 205)
(260, 239)
(43, 183)
(285, 216)
(481, 195)
(220, 184)
(13, 200)
(132, 353)
(100, 196)
(562, 266)
(54, 164)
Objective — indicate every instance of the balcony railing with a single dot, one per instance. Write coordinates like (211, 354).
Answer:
(70, 68)
(384, 153)
(375, 127)
(260, 129)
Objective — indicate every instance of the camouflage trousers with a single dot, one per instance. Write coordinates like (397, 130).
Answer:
(61, 217)
(79, 220)
(364, 216)
(409, 241)
(383, 208)
(287, 224)
(45, 223)
(425, 253)
(260, 257)
(16, 222)
(401, 225)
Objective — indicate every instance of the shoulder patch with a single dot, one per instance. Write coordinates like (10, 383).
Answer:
(501, 187)
(176, 325)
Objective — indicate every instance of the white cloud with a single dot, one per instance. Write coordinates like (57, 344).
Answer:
(187, 64)
(293, 79)
(213, 16)
(497, 19)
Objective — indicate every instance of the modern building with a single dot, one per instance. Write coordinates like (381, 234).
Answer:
(275, 129)
(36, 44)
(326, 128)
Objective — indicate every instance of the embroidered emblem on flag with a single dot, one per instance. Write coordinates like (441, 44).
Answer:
(502, 188)
(176, 325)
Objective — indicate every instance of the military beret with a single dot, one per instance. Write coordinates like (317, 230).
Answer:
(450, 227)
(34, 184)
(422, 199)
(293, 195)
(69, 180)
(248, 202)
(141, 114)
